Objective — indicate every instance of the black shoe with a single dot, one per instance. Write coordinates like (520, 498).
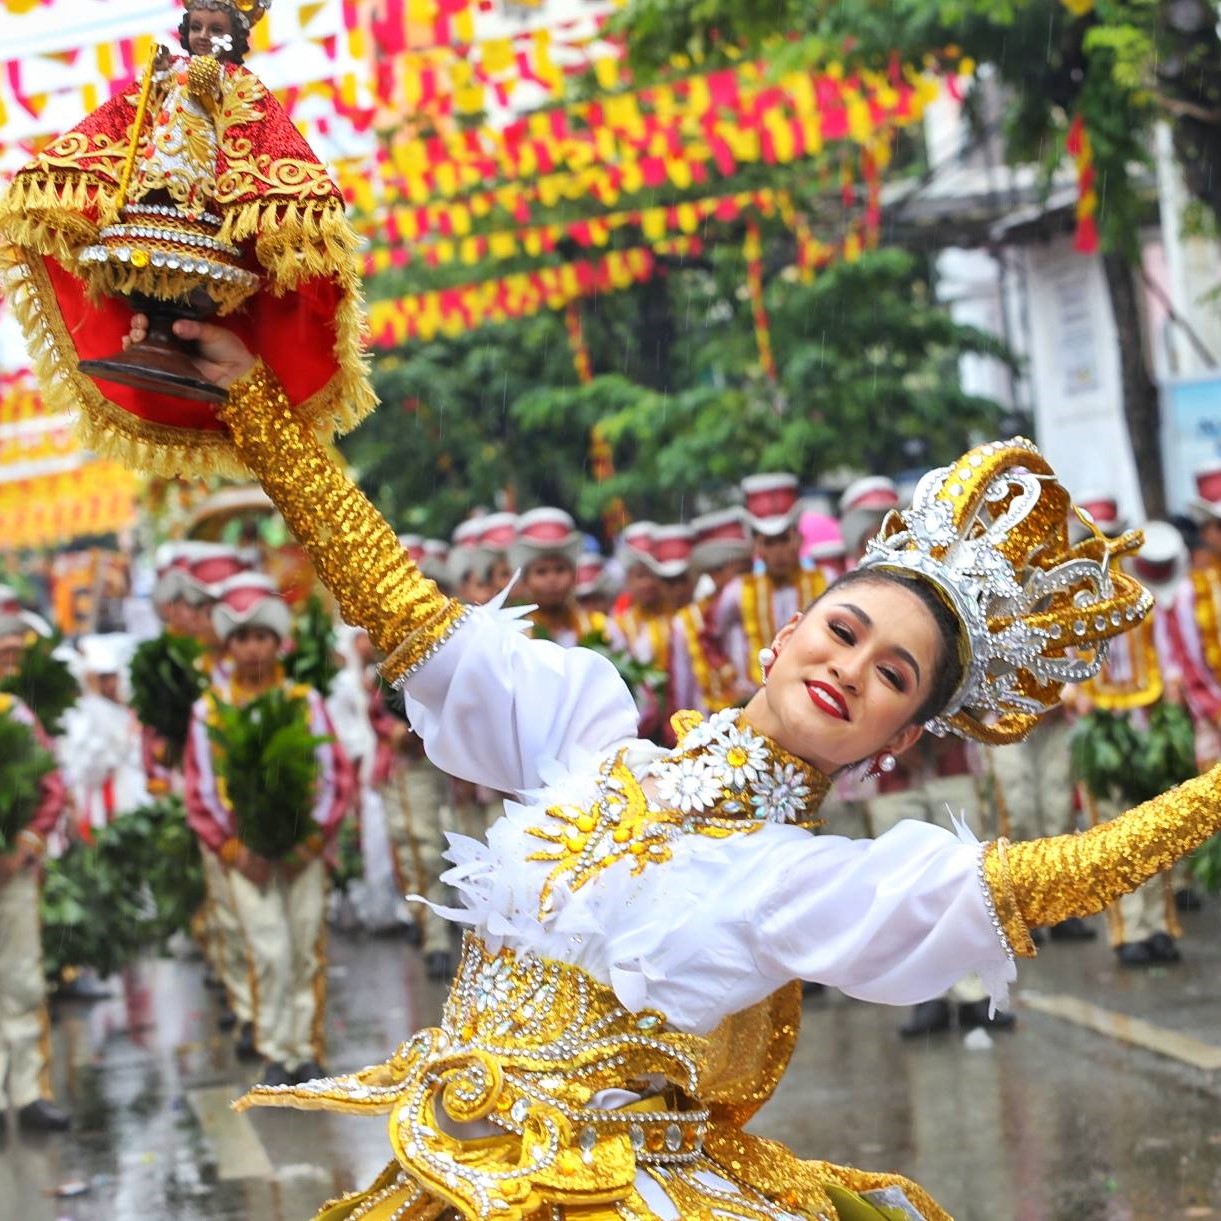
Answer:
(810, 988)
(928, 1017)
(1187, 899)
(311, 1070)
(274, 1073)
(226, 1019)
(972, 1014)
(84, 986)
(1134, 954)
(1162, 948)
(245, 1046)
(1038, 936)
(43, 1116)
(439, 964)
(1073, 929)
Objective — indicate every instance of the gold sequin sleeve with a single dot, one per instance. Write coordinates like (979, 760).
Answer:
(1044, 881)
(355, 552)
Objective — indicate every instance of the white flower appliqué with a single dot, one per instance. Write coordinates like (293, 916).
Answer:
(781, 794)
(221, 43)
(739, 757)
(687, 785)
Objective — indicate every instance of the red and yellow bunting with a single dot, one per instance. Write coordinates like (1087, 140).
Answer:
(655, 224)
(1078, 147)
(98, 498)
(628, 142)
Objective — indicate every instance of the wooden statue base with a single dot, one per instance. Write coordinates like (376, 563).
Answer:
(162, 363)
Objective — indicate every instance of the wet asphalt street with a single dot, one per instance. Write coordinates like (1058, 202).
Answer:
(1104, 1104)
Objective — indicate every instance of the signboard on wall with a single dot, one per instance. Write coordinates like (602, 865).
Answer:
(1191, 433)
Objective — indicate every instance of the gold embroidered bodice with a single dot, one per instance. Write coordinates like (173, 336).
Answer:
(721, 779)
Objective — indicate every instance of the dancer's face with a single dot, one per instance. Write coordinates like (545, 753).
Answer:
(850, 676)
(203, 26)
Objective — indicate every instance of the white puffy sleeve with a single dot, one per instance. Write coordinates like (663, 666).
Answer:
(492, 706)
(895, 920)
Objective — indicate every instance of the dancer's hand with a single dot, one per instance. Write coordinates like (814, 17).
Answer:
(223, 357)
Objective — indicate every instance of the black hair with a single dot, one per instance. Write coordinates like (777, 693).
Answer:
(948, 671)
(241, 37)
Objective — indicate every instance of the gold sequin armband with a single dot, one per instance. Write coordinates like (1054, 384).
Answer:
(356, 554)
(1044, 881)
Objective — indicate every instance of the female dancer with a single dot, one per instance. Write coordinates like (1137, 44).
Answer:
(626, 998)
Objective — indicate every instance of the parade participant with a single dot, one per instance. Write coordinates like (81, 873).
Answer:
(375, 896)
(755, 606)
(671, 554)
(469, 564)
(546, 551)
(1197, 619)
(279, 904)
(415, 796)
(701, 675)
(644, 623)
(496, 534)
(595, 588)
(624, 1002)
(862, 508)
(25, 1084)
(1033, 791)
(434, 560)
(100, 749)
(1140, 672)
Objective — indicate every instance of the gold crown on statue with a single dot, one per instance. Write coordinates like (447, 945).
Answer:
(991, 534)
(248, 12)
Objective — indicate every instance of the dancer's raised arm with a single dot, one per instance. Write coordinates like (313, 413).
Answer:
(520, 704)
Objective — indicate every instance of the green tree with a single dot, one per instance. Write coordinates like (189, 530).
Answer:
(1123, 65)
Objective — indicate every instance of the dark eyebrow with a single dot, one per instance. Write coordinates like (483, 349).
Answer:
(904, 655)
(899, 650)
(860, 614)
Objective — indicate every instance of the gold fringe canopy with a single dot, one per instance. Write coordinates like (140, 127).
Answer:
(112, 432)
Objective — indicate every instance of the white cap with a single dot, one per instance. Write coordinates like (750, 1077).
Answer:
(249, 599)
(545, 531)
(773, 502)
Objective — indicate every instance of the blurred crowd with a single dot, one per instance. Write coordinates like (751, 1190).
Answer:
(685, 611)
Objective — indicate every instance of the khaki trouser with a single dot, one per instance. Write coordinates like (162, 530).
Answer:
(24, 1025)
(284, 932)
(1034, 786)
(226, 951)
(932, 800)
(1147, 910)
(416, 800)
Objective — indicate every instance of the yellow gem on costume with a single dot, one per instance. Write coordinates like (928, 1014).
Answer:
(574, 843)
(736, 756)
(585, 823)
(621, 835)
(139, 258)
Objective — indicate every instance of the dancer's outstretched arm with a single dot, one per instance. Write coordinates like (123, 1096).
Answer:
(493, 710)
(1043, 881)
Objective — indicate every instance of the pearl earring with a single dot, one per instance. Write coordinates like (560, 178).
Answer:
(767, 659)
(885, 762)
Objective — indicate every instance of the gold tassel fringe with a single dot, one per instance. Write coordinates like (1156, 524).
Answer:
(47, 212)
(111, 432)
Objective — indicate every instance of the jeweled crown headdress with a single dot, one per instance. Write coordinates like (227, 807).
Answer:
(991, 534)
(248, 12)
